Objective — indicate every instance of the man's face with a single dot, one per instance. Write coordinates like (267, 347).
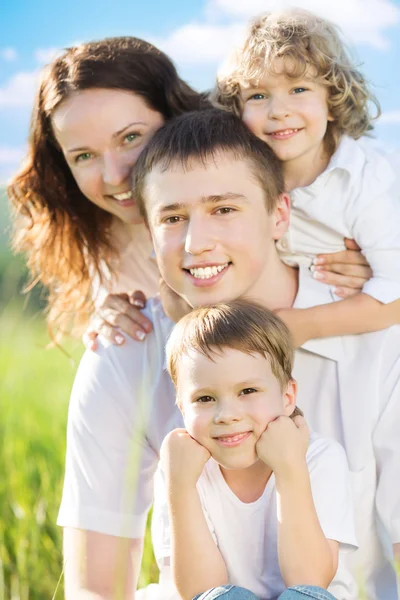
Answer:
(228, 400)
(213, 237)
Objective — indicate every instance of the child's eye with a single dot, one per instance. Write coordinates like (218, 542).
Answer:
(257, 97)
(83, 157)
(247, 391)
(299, 90)
(204, 399)
(172, 220)
(131, 137)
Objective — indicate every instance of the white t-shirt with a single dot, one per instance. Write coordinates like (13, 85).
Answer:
(246, 533)
(123, 404)
(357, 197)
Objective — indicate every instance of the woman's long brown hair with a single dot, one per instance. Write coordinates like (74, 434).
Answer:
(65, 237)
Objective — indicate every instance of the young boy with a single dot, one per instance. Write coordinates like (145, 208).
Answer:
(295, 86)
(272, 506)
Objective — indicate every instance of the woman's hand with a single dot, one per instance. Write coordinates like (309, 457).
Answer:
(347, 270)
(119, 312)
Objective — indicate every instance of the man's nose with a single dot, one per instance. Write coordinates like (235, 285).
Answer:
(116, 170)
(199, 237)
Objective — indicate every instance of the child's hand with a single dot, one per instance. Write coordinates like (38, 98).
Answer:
(182, 458)
(283, 445)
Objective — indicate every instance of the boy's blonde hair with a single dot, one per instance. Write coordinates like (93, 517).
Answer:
(307, 42)
(240, 324)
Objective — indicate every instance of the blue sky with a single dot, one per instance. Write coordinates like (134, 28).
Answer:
(197, 34)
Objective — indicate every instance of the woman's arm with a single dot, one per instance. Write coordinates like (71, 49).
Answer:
(358, 314)
(197, 564)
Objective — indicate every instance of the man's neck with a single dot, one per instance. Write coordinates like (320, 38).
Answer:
(248, 484)
(277, 287)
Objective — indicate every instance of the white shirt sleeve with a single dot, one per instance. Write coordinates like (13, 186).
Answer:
(386, 437)
(107, 449)
(376, 229)
(331, 490)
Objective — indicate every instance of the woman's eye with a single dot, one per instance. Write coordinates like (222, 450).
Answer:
(83, 157)
(204, 399)
(247, 391)
(299, 90)
(131, 137)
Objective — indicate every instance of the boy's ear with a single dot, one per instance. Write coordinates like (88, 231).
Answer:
(282, 216)
(289, 397)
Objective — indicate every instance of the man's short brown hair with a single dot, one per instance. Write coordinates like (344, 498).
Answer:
(201, 136)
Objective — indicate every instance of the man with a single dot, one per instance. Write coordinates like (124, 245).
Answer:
(212, 196)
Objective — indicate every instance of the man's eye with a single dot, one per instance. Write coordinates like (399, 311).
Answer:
(204, 399)
(224, 210)
(247, 391)
(83, 157)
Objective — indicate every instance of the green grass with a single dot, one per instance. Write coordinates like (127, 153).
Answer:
(35, 384)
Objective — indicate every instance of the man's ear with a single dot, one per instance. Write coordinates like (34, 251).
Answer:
(282, 216)
(289, 397)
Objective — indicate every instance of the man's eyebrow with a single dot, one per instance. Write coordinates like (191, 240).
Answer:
(114, 135)
(212, 199)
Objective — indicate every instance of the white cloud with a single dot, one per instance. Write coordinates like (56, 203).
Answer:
(391, 117)
(19, 90)
(8, 54)
(10, 155)
(198, 43)
(46, 55)
(364, 21)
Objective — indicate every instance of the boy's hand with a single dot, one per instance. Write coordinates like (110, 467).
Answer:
(182, 458)
(283, 445)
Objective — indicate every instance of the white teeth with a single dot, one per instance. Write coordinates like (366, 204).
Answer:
(123, 196)
(233, 438)
(285, 132)
(207, 272)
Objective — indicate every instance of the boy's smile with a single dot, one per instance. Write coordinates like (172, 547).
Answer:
(213, 236)
(228, 400)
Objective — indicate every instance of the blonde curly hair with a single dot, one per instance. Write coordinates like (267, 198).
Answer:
(305, 42)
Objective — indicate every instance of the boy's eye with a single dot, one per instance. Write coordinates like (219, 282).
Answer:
(204, 399)
(83, 157)
(257, 97)
(299, 90)
(131, 137)
(172, 220)
(247, 391)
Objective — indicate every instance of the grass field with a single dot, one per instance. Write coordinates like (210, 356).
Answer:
(34, 389)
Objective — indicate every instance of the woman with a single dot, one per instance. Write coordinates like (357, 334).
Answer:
(97, 106)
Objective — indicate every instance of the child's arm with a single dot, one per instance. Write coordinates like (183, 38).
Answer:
(197, 564)
(306, 557)
(358, 314)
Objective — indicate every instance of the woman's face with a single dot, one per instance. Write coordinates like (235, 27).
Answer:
(101, 133)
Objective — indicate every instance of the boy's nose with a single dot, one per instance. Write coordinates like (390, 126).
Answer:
(198, 238)
(278, 109)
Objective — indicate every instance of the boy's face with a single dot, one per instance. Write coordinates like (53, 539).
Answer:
(228, 402)
(290, 115)
(213, 237)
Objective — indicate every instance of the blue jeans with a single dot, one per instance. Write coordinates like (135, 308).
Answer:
(298, 592)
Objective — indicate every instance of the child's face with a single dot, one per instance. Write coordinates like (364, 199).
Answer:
(212, 234)
(290, 115)
(228, 401)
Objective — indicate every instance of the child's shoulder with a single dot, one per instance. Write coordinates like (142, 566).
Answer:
(326, 451)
